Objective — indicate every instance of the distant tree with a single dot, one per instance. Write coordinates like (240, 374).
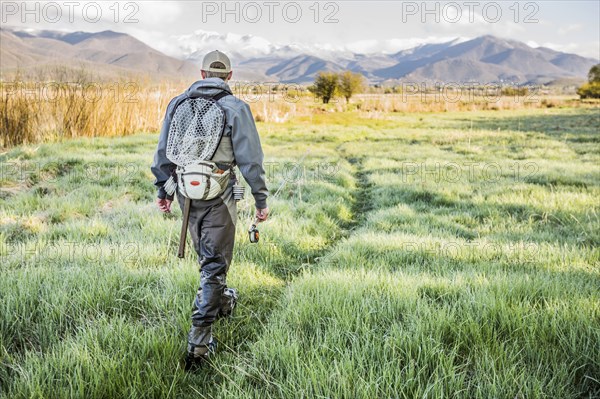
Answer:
(351, 83)
(592, 88)
(325, 86)
(594, 74)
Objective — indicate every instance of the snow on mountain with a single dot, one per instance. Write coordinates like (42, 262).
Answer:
(244, 47)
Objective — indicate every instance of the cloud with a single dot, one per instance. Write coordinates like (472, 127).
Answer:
(570, 28)
(391, 46)
(158, 13)
(589, 49)
(504, 27)
(143, 19)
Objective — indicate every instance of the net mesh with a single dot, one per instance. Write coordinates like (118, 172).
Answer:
(195, 131)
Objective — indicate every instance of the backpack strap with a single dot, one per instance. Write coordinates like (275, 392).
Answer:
(222, 94)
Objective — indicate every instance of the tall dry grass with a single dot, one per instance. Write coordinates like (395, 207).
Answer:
(77, 106)
(33, 112)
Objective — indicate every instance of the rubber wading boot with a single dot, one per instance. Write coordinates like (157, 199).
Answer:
(201, 347)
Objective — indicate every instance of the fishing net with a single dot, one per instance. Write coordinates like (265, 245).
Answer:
(195, 131)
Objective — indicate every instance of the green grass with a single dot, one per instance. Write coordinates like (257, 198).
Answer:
(419, 255)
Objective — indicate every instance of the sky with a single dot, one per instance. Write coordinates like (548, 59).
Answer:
(357, 26)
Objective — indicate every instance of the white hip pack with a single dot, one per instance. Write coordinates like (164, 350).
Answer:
(195, 132)
(202, 181)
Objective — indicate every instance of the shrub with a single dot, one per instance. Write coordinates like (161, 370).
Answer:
(589, 90)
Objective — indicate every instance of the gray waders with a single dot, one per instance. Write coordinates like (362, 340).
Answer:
(212, 227)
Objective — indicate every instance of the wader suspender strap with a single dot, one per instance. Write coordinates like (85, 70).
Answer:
(219, 96)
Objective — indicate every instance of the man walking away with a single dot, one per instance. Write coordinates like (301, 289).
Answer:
(212, 221)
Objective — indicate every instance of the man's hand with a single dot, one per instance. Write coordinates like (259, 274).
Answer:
(262, 214)
(164, 205)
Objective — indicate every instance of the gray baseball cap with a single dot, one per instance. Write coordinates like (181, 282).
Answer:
(216, 61)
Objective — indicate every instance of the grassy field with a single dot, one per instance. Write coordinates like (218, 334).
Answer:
(430, 255)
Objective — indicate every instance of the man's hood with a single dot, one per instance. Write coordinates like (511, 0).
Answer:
(208, 87)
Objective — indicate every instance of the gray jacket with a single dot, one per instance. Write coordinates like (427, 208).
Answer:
(240, 143)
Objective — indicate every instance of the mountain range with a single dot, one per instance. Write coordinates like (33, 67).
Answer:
(107, 53)
(485, 59)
